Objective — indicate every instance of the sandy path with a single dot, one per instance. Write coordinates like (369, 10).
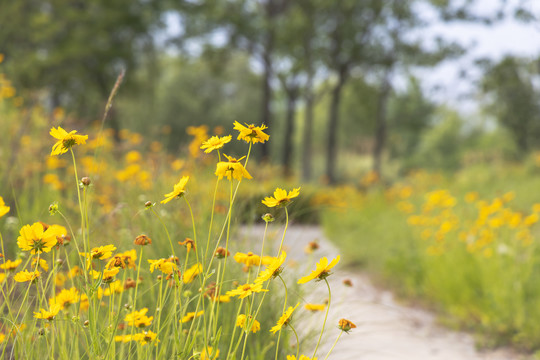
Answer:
(386, 330)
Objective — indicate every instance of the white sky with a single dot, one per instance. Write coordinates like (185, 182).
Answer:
(508, 37)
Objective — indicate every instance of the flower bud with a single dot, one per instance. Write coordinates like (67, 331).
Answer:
(86, 181)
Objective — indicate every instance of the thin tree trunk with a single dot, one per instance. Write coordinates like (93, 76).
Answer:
(307, 156)
(333, 122)
(266, 112)
(381, 125)
(292, 96)
(307, 141)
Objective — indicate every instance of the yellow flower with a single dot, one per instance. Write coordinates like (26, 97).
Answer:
(284, 319)
(242, 321)
(65, 298)
(35, 238)
(65, 140)
(209, 354)
(315, 307)
(281, 198)
(232, 169)
(107, 276)
(144, 337)
(2, 337)
(75, 271)
(11, 265)
(245, 290)
(248, 259)
(115, 287)
(24, 276)
(101, 252)
(345, 325)
(165, 265)
(273, 269)
(139, 318)
(222, 299)
(190, 273)
(178, 191)
(251, 133)
(3, 208)
(47, 315)
(42, 263)
(302, 357)
(123, 338)
(190, 316)
(215, 143)
(321, 272)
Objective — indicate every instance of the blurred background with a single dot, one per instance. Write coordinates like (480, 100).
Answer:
(346, 87)
(412, 127)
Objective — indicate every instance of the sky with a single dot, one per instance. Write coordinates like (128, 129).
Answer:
(507, 37)
(444, 84)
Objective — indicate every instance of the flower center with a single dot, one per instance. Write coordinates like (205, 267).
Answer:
(69, 142)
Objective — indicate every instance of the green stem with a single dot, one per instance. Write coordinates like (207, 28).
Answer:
(297, 341)
(284, 230)
(166, 230)
(332, 348)
(325, 317)
(211, 222)
(284, 307)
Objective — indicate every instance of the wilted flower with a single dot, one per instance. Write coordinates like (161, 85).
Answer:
(345, 325)
(189, 243)
(142, 240)
(222, 252)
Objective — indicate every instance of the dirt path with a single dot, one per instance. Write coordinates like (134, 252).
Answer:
(386, 330)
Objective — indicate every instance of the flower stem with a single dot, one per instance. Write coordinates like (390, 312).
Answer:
(284, 230)
(325, 317)
(332, 348)
(297, 341)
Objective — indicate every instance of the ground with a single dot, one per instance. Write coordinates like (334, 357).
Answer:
(386, 330)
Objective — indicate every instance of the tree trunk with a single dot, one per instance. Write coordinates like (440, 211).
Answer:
(307, 141)
(307, 156)
(266, 114)
(380, 124)
(333, 121)
(292, 96)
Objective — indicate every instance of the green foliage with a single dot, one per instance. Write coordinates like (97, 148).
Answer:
(440, 146)
(73, 49)
(192, 93)
(488, 287)
(512, 98)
